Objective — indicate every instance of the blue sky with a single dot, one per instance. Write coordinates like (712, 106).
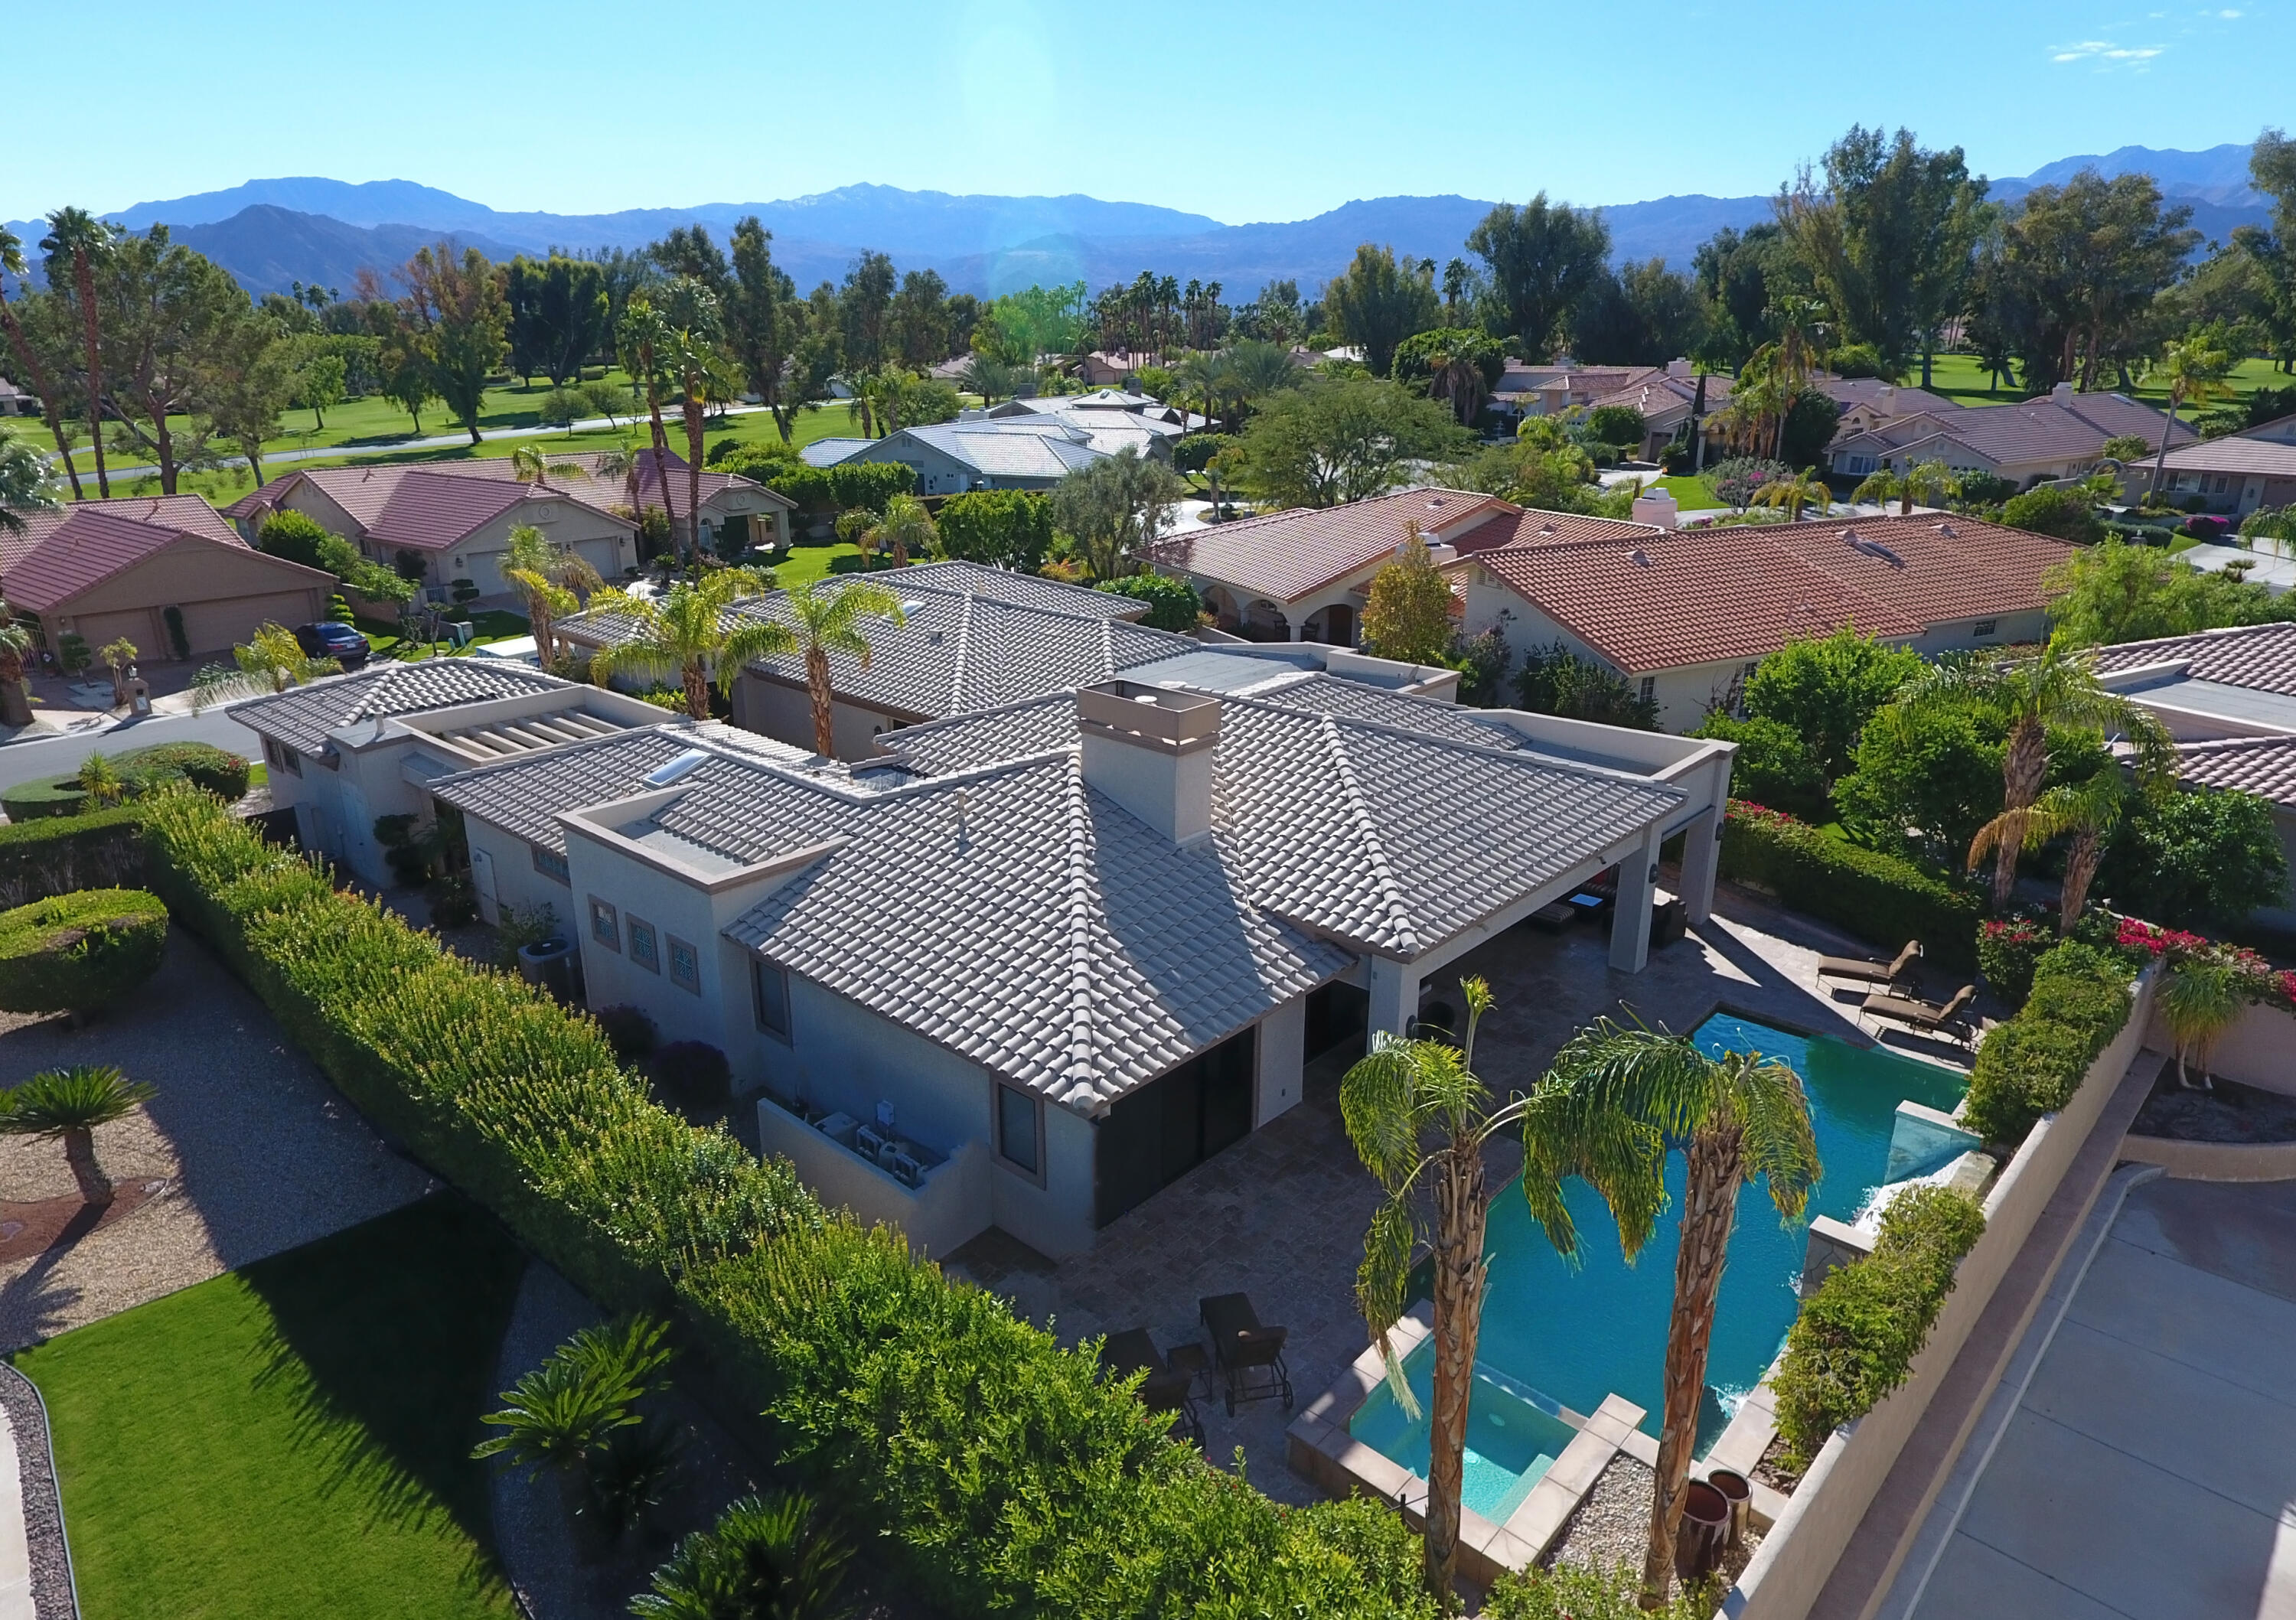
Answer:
(1240, 110)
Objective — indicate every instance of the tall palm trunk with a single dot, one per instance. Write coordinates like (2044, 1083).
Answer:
(2022, 767)
(693, 468)
(37, 375)
(2081, 862)
(84, 273)
(825, 714)
(697, 689)
(2175, 399)
(660, 440)
(1461, 1211)
(1710, 1203)
(79, 1153)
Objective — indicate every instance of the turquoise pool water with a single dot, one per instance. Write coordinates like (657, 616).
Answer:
(1511, 1440)
(1554, 1337)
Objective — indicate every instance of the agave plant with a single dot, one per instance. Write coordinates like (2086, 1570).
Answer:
(70, 1103)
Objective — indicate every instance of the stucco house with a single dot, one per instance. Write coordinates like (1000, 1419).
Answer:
(165, 572)
(1021, 450)
(1305, 573)
(2058, 435)
(1030, 964)
(1686, 615)
(2236, 475)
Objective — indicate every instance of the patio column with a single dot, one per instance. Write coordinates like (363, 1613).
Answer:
(1394, 990)
(1702, 854)
(1631, 918)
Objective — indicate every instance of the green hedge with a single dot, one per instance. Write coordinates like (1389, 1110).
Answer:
(1879, 898)
(1003, 1473)
(54, 856)
(78, 951)
(142, 771)
(1855, 1337)
(2032, 1064)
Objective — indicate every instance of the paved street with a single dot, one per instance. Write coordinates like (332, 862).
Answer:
(35, 757)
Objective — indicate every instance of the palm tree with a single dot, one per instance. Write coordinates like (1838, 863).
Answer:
(1933, 483)
(907, 527)
(768, 1558)
(694, 325)
(1619, 1099)
(531, 464)
(1805, 488)
(645, 340)
(2199, 1002)
(71, 1104)
(1398, 1095)
(2056, 686)
(272, 661)
(11, 263)
(17, 644)
(1255, 370)
(2195, 370)
(2088, 810)
(829, 620)
(76, 235)
(550, 577)
(24, 484)
(1881, 486)
(690, 634)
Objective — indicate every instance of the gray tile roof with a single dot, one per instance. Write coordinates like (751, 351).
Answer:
(2260, 657)
(523, 796)
(301, 717)
(1022, 590)
(2262, 765)
(1389, 839)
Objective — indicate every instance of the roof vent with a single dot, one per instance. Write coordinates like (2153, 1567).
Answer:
(677, 769)
(1639, 558)
(914, 605)
(1946, 529)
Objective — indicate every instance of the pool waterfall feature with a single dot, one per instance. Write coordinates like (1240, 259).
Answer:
(1556, 1340)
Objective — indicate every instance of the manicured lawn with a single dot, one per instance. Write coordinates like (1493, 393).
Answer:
(1959, 377)
(807, 563)
(493, 625)
(1691, 493)
(292, 1439)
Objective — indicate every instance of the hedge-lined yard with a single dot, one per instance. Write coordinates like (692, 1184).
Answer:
(2031, 1065)
(995, 1471)
(1878, 898)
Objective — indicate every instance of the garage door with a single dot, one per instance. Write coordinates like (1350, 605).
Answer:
(602, 555)
(212, 627)
(486, 568)
(101, 629)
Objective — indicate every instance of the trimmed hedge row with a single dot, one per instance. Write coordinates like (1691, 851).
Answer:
(56, 855)
(1004, 1473)
(75, 953)
(2032, 1064)
(141, 771)
(1879, 898)
(1856, 1337)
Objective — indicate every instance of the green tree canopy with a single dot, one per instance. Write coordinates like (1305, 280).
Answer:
(2066, 514)
(457, 303)
(1329, 443)
(1407, 612)
(2111, 592)
(2196, 859)
(1113, 508)
(1825, 689)
(1378, 303)
(1540, 259)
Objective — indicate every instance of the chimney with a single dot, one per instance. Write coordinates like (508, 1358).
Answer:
(1886, 399)
(2062, 395)
(1657, 506)
(1150, 749)
(1677, 368)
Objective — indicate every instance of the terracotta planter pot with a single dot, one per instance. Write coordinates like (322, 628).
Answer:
(1739, 1493)
(1705, 1531)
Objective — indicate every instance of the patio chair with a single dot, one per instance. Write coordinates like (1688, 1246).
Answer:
(1867, 972)
(1170, 1392)
(1167, 1388)
(1249, 1356)
(1928, 1018)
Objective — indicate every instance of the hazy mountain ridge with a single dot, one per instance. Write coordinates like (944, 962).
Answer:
(269, 232)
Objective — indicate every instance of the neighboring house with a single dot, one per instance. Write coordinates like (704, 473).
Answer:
(1304, 575)
(1868, 402)
(2058, 435)
(146, 568)
(2235, 475)
(1026, 450)
(17, 402)
(1036, 963)
(1525, 390)
(1686, 615)
(1666, 400)
(347, 749)
(735, 509)
(1101, 406)
(1103, 369)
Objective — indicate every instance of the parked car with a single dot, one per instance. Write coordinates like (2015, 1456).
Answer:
(333, 640)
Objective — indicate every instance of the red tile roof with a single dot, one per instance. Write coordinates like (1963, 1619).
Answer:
(1286, 555)
(190, 513)
(1659, 598)
(92, 544)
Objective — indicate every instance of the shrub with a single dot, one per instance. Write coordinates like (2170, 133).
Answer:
(1002, 1472)
(1855, 1337)
(45, 795)
(1556, 681)
(55, 856)
(1773, 766)
(2065, 513)
(693, 1077)
(1173, 604)
(205, 766)
(79, 951)
(1006, 528)
(1878, 898)
(630, 1030)
(2007, 951)
(1616, 425)
(1571, 1591)
(2032, 1064)
(1195, 452)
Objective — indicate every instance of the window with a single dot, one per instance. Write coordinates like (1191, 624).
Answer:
(643, 950)
(550, 864)
(769, 992)
(604, 927)
(685, 965)
(1984, 626)
(286, 758)
(1017, 1120)
(1649, 689)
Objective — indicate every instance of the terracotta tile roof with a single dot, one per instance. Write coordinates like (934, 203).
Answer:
(190, 513)
(95, 541)
(1286, 555)
(1660, 599)
(2033, 430)
(2265, 766)
(2235, 455)
(2261, 658)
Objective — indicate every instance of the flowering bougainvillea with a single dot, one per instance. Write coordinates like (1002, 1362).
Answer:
(2263, 982)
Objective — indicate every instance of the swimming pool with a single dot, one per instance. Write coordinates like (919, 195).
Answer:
(1513, 1439)
(1566, 1337)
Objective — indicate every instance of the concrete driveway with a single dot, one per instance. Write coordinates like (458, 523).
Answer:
(2150, 1469)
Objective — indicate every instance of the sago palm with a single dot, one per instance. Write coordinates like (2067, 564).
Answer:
(562, 1414)
(829, 618)
(79, 236)
(270, 662)
(768, 1558)
(71, 1103)
(690, 634)
(2199, 1004)
(550, 577)
(2056, 686)
(1618, 1100)
(906, 528)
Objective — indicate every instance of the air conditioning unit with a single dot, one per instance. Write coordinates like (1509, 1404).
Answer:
(905, 1169)
(869, 1144)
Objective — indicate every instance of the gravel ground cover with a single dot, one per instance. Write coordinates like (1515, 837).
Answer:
(1611, 1526)
(43, 1524)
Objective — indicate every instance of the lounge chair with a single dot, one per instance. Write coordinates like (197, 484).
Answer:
(1165, 1388)
(1928, 1018)
(1872, 972)
(1249, 1356)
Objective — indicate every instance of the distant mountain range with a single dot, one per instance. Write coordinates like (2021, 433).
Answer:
(270, 233)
